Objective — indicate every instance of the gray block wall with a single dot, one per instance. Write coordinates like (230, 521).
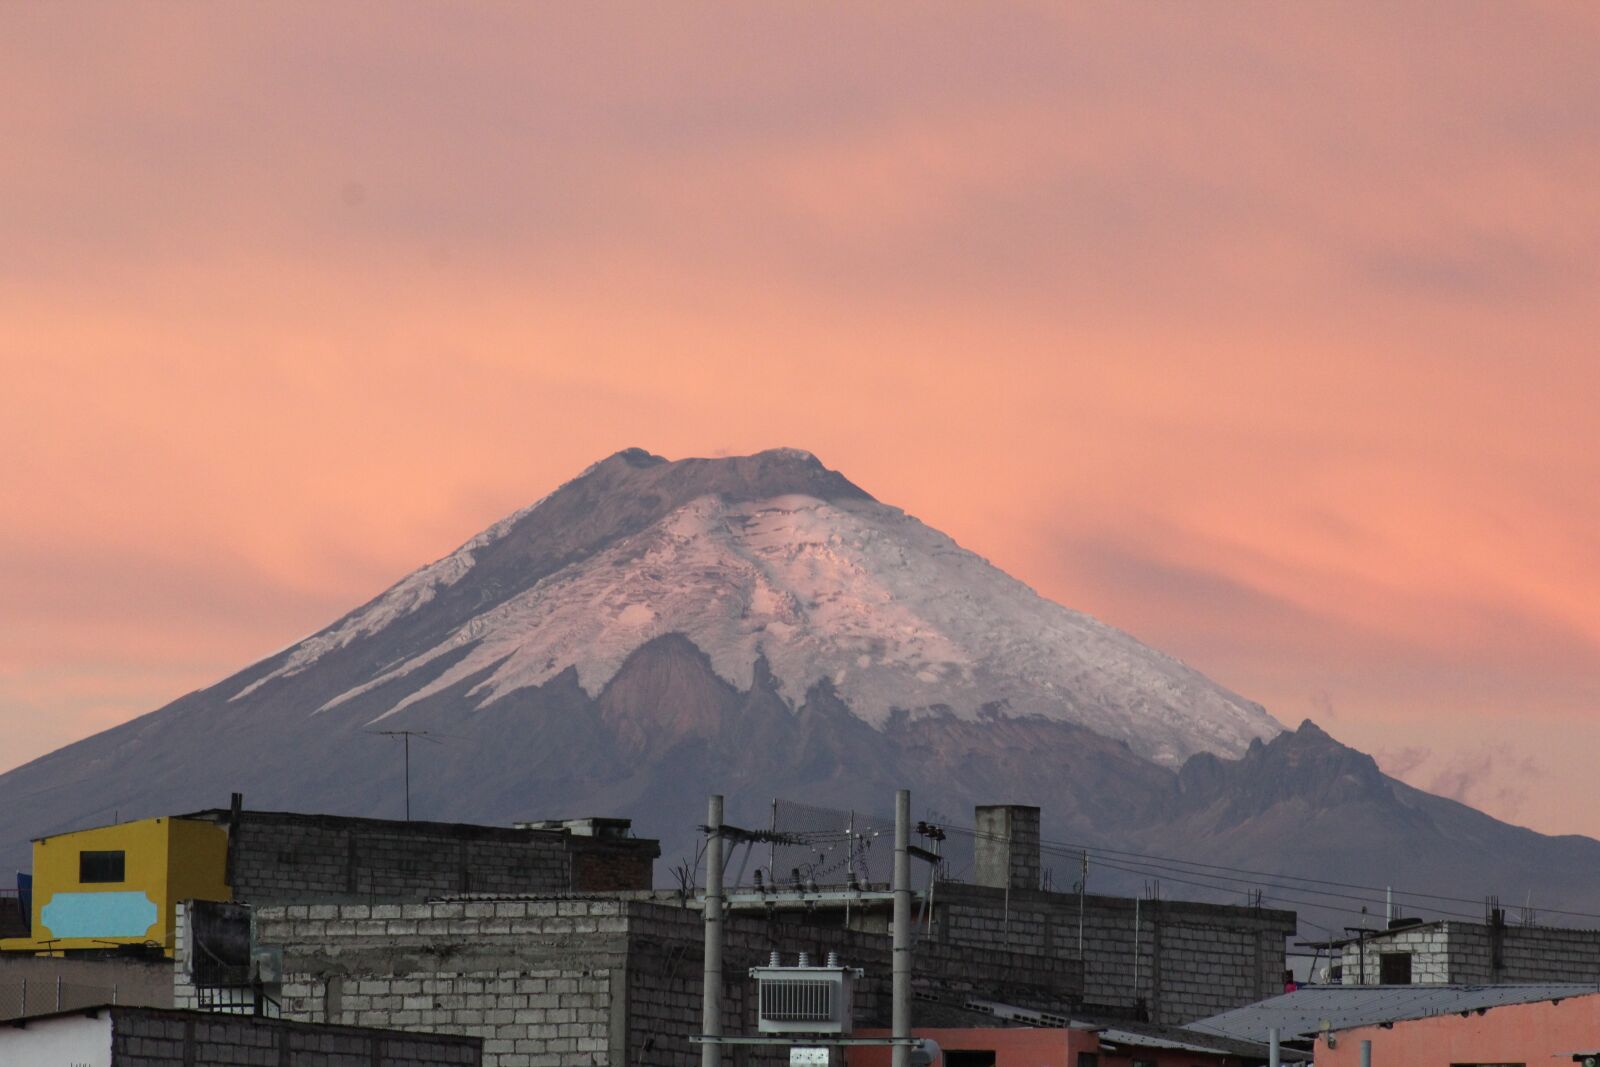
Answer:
(300, 858)
(1429, 947)
(1183, 960)
(155, 1038)
(1464, 953)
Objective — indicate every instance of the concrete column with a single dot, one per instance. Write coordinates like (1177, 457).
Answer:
(901, 989)
(1006, 846)
(711, 1052)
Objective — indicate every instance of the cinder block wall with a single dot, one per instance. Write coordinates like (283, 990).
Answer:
(1463, 952)
(1534, 953)
(153, 1038)
(665, 976)
(1193, 959)
(286, 857)
(1430, 957)
(542, 982)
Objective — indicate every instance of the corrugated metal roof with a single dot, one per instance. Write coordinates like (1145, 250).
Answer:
(1185, 1039)
(1311, 1009)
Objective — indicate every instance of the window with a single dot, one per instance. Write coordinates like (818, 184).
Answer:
(1394, 968)
(968, 1058)
(1088, 1059)
(101, 866)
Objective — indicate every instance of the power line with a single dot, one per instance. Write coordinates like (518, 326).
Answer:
(1283, 897)
(1073, 850)
(1165, 872)
(1143, 863)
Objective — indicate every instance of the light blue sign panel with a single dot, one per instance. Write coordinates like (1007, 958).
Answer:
(123, 914)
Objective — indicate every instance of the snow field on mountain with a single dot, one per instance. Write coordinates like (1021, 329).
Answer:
(893, 613)
(399, 600)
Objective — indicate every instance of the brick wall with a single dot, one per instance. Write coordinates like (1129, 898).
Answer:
(155, 1038)
(600, 866)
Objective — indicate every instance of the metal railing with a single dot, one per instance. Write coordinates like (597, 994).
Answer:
(237, 1000)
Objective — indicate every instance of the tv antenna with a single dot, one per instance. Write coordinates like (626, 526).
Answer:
(405, 737)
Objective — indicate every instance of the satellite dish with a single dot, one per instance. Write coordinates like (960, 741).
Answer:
(926, 1053)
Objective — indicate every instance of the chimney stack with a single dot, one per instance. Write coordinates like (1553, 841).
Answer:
(1006, 854)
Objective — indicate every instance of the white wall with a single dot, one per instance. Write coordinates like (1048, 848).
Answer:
(65, 1041)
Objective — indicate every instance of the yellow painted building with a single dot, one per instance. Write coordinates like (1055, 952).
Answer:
(120, 885)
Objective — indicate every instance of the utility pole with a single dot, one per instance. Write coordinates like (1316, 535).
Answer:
(830, 1031)
(711, 995)
(900, 991)
(1083, 887)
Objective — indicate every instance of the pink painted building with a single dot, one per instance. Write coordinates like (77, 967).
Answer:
(1075, 1046)
(1544, 1032)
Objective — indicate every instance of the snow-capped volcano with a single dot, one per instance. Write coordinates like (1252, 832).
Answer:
(829, 587)
(758, 626)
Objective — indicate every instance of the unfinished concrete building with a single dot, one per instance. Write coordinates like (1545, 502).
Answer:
(616, 978)
(276, 856)
(1451, 951)
(114, 889)
(573, 981)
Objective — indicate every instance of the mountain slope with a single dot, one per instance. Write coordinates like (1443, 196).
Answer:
(1304, 804)
(788, 562)
(760, 626)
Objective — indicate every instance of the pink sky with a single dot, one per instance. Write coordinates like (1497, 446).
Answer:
(1266, 332)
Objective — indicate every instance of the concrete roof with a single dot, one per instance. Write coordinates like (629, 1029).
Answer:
(1311, 1009)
